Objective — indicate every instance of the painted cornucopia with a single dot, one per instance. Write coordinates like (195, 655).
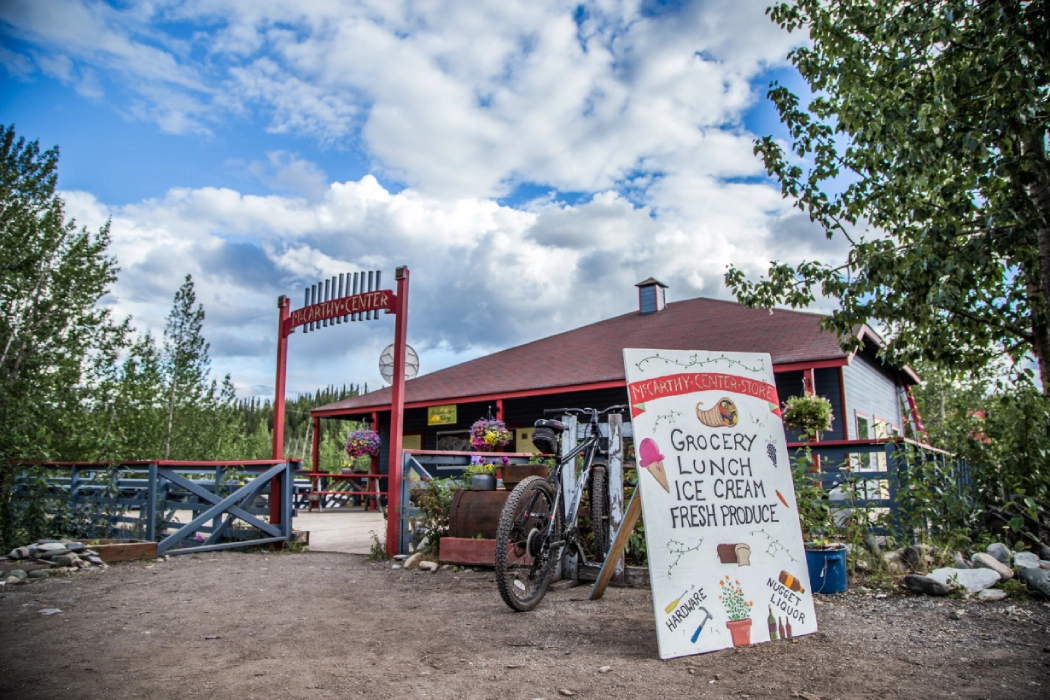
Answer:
(722, 415)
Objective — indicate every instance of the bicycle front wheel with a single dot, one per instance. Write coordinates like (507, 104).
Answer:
(524, 556)
(599, 498)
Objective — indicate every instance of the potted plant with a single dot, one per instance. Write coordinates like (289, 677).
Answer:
(810, 414)
(482, 474)
(738, 610)
(362, 443)
(489, 435)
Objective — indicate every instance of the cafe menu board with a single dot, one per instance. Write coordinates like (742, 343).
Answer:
(727, 564)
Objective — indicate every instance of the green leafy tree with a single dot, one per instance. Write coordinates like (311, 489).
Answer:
(926, 147)
(56, 343)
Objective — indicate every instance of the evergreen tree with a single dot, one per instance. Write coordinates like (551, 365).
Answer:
(184, 366)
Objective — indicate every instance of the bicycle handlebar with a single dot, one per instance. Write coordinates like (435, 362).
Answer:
(586, 411)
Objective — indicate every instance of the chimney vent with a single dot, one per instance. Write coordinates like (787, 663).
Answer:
(651, 296)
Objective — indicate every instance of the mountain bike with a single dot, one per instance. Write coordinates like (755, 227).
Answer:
(535, 527)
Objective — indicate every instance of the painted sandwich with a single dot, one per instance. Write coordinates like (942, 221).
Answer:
(650, 458)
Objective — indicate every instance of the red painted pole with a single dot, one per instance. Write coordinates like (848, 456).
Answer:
(282, 370)
(278, 408)
(397, 414)
(499, 409)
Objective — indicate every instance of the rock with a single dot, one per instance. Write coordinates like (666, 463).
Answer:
(925, 585)
(987, 561)
(604, 669)
(50, 611)
(19, 553)
(991, 594)
(959, 562)
(954, 615)
(97, 561)
(1044, 552)
(912, 557)
(1000, 551)
(973, 580)
(872, 544)
(76, 546)
(893, 561)
(12, 579)
(400, 557)
(428, 566)
(65, 559)
(1037, 580)
(18, 574)
(40, 573)
(49, 546)
(52, 553)
(413, 561)
(1026, 560)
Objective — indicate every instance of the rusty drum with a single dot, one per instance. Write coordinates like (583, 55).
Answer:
(476, 513)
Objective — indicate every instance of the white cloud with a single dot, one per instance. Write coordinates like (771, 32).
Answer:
(484, 276)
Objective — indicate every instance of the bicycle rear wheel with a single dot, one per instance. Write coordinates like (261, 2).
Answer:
(524, 560)
(598, 495)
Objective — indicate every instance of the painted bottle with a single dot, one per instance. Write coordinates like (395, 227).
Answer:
(791, 582)
(772, 625)
(789, 628)
(782, 635)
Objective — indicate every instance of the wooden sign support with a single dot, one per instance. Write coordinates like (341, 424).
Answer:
(634, 511)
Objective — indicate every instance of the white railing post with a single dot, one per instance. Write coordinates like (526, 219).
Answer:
(568, 567)
(615, 486)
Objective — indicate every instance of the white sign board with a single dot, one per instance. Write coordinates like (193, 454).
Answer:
(727, 564)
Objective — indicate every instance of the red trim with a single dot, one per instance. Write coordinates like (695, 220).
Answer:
(477, 399)
(499, 409)
(819, 364)
(917, 425)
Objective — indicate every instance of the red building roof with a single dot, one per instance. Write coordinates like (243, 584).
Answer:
(592, 356)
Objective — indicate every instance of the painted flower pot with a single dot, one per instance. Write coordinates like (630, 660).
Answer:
(741, 631)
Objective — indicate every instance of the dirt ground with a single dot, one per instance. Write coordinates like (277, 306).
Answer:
(329, 625)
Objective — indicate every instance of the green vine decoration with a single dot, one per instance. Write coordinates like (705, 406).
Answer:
(773, 546)
(695, 361)
(681, 550)
(669, 417)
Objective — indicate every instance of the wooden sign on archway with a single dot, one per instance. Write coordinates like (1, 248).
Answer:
(328, 311)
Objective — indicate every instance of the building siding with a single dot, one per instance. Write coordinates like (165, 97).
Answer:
(872, 390)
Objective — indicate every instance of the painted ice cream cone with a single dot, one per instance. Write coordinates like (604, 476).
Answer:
(651, 459)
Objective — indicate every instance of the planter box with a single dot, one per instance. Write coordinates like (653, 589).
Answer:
(469, 551)
(112, 551)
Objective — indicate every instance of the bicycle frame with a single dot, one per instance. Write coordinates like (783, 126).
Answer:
(590, 446)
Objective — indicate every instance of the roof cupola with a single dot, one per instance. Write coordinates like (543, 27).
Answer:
(651, 296)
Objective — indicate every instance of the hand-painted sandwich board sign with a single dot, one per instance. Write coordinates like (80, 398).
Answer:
(727, 564)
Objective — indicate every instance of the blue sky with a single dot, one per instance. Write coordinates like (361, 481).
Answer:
(529, 161)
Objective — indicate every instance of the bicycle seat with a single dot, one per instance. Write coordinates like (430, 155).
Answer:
(555, 425)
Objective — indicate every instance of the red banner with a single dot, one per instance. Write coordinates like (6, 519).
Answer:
(689, 382)
(356, 304)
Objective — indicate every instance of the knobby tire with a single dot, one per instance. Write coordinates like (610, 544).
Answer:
(599, 499)
(523, 575)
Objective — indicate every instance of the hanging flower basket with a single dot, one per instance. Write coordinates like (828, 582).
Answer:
(489, 435)
(362, 443)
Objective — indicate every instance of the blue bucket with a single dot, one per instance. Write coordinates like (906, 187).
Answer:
(827, 570)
